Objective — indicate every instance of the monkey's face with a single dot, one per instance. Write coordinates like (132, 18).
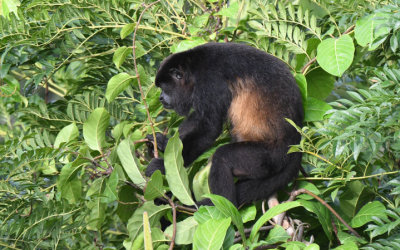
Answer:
(175, 92)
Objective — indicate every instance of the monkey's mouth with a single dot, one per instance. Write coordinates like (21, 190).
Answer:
(166, 105)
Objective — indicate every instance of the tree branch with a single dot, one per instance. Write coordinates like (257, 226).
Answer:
(138, 77)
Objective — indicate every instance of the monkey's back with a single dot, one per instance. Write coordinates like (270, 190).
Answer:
(263, 91)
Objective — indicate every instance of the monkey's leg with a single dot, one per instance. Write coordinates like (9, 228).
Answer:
(243, 160)
(260, 171)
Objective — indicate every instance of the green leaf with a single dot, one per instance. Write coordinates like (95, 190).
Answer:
(135, 223)
(97, 214)
(128, 202)
(277, 234)
(319, 84)
(127, 30)
(187, 44)
(312, 246)
(211, 234)
(67, 134)
(119, 129)
(231, 11)
(354, 197)
(68, 183)
(185, 231)
(120, 55)
(228, 209)
(348, 246)
(129, 163)
(323, 214)
(117, 84)
(248, 213)
(175, 172)
(302, 83)
(366, 213)
(364, 30)
(110, 191)
(154, 187)
(310, 187)
(206, 213)
(148, 245)
(200, 183)
(336, 55)
(315, 109)
(293, 245)
(8, 6)
(369, 28)
(94, 129)
(272, 212)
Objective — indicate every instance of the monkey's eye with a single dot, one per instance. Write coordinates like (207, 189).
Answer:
(178, 75)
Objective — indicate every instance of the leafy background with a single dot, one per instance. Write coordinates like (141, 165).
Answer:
(75, 112)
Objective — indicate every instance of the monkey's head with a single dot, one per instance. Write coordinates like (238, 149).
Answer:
(175, 81)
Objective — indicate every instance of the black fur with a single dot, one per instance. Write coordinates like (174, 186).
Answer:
(201, 84)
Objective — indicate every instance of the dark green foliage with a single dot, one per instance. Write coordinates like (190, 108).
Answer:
(73, 120)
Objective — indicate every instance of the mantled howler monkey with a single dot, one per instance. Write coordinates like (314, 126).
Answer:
(255, 92)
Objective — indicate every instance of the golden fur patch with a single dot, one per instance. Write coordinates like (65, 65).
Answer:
(249, 112)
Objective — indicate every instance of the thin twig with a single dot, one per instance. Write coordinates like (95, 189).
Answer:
(305, 191)
(171, 246)
(305, 68)
(138, 77)
(344, 178)
(350, 29)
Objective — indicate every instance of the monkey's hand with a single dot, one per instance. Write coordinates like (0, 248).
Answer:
(162, 141)
(155, 164)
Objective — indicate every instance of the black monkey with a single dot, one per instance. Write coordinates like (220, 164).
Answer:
(255, 92)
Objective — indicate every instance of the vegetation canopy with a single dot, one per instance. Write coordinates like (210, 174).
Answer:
(77, 99)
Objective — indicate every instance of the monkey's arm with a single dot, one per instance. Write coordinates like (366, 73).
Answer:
(198, 133)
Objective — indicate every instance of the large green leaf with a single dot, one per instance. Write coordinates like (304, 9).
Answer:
(323, 214)
(69, 183)
(154, 187)
(248, 213)
(272, 212)
(127, 30)
(184, 231)
(211, 234)
(228, 209)
(117, 84)
(206, 213)
(176, 174)
(97, 214)
(129, 163)
(94, 129)
(315, 109)
(371, 209)
(67, 134)
(120, 55)
(110, 191)
(336, 55)
(369, 28)
(353, 198)
(200, 183)
(319, 84)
